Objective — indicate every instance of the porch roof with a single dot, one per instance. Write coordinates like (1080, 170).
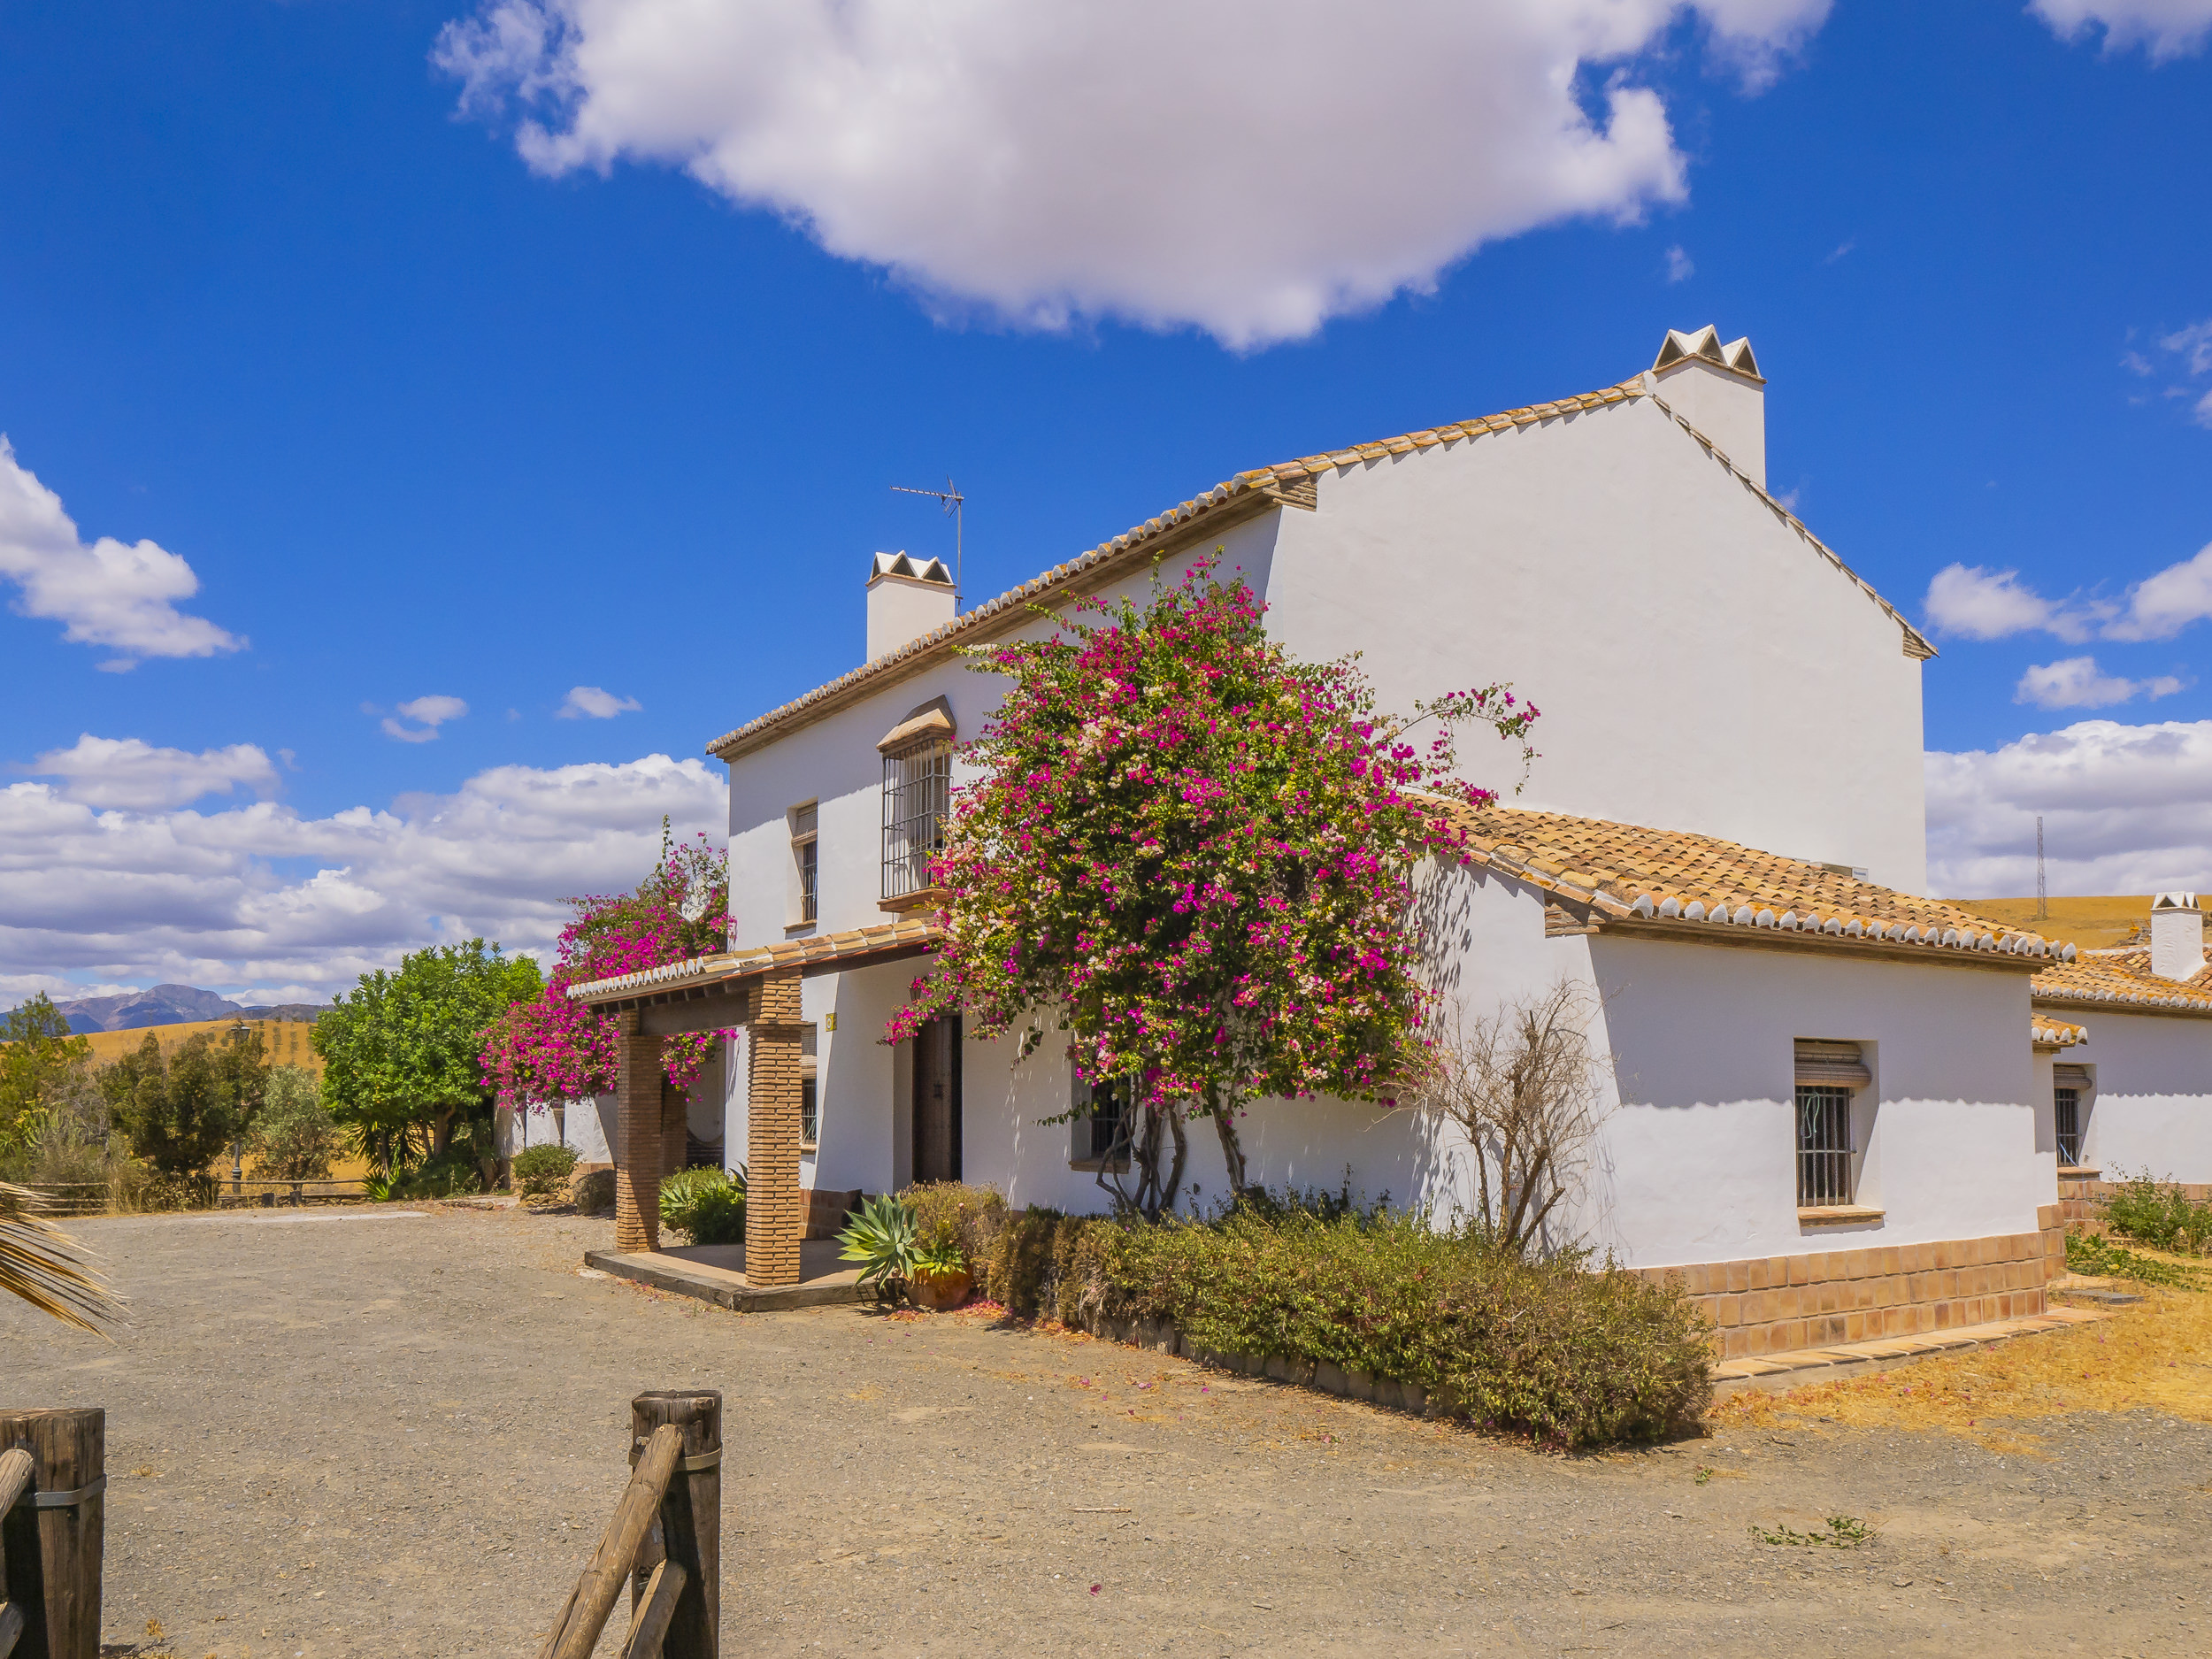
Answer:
(2104, 979)
(1671, 883)
(703, 979)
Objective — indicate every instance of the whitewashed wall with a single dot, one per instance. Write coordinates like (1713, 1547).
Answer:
(587, 1124)
(2152, 1105)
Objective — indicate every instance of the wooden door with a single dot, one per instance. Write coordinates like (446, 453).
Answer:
(937, 1101)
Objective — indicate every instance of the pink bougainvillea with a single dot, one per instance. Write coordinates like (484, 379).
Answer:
(554, 1049)
(1194, 854)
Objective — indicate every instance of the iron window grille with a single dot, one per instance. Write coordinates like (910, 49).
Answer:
(1824, 1146)
(917, 800)
(1102, 1131)
(2068, 1103)
(809, 1092)
(805, 837)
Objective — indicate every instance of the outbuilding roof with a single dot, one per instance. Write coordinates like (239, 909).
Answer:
(2108, 977)
(1285, 483)
(2046, 1033)
(1626, 875)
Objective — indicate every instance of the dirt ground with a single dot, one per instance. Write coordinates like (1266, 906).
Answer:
(352, 1434)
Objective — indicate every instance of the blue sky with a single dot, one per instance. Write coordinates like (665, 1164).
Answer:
(437, 405)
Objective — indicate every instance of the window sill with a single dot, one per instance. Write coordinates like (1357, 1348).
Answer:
(2080, 1172)
(1111, 1166)
(1836, 1214)
(793, 930)
(809, 1146)
(921, 898)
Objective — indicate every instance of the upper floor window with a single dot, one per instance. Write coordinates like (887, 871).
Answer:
(917, 797)
(806, 863)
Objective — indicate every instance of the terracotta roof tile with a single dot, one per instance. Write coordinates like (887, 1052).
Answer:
(2056, 1033)
(2122, 978)
(1627, 874)
(912, 933)
(994, 615)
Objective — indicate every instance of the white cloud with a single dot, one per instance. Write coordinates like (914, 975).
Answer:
(2165, 28)
(590, 702)
(1680, 268)
(2077, 683)
(1976, 603)
(108, 594)
(428, 713)
(1250, 168)
(258, 895)
(2124, 809)
(127, 772)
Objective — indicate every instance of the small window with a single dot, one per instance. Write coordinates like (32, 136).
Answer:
(805, 825)
(810, 1095)
(1824, 1146)
(1103, 1124)
(917, 800)
(2068, 1103)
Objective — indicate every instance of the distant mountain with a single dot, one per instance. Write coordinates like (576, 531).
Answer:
(163, 1005)
(307, 1011)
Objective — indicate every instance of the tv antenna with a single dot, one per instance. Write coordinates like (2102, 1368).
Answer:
(2042, 889)
(951, 500)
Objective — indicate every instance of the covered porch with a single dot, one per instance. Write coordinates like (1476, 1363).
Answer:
(755, 992)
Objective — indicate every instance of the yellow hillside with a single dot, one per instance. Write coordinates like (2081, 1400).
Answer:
(285, 1041)
(2094, 924)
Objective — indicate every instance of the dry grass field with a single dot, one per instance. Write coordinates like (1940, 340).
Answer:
(2094, 924)
(286, 1041)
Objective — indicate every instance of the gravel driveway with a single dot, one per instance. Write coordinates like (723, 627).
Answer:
(357, 1432)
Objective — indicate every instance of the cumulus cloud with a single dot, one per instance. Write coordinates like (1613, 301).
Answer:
(258, 896)
(2164, 29)
(2124, 809)
(1976, 603)
(1252, 169)
(428, 713)
(123, 597)
(2077, 683)
(589, 703)
(106, 771)
(1680, 266)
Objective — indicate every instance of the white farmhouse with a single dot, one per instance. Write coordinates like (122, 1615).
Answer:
(1830, 1105)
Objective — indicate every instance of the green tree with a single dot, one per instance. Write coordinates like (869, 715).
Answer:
(39, 1049)
(182, 1110)
(402, 1073)
(295, 1138)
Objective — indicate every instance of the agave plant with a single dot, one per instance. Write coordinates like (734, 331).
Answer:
(882, 1235)
(39, 1263)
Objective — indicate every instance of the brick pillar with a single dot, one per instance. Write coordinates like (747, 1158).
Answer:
(775, 1216)
(637, 1158)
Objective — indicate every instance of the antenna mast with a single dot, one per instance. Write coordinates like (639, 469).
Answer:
(953, 501)
(2042, 890)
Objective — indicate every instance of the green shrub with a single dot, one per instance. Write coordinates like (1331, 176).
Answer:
(2096, 1257)
(1554, 1350)
(881, 1236)
(706, 1206)
(540, 1171)
(2159, 1214)
(593, 1192)
(452, 1174)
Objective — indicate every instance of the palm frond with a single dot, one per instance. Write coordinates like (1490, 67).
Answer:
(46, 1267)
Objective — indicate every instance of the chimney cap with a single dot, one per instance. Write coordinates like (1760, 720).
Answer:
(2174, 902)
(1704, 344)
(902, 564)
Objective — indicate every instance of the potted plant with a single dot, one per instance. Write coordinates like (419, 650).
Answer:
(940, 1278)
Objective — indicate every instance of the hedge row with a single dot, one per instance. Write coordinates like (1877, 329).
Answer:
(1571, 1355)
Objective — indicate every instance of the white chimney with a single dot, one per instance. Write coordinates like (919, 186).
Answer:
(907, 598)
(2176, 936)
(1718, 390)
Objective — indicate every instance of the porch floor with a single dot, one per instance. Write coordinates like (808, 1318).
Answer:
(716, 1273)
(1795, 1368)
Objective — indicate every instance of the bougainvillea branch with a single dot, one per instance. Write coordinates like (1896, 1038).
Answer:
(553, 1048)
(1192, 853)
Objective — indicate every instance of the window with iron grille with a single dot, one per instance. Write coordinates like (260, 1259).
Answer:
(2068, 1103)
(1824, 1146)
(810, 1096)
(917, 800)
(805, 837)
(1105, 1120)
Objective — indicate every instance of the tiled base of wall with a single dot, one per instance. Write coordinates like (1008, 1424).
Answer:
(1774, 1304)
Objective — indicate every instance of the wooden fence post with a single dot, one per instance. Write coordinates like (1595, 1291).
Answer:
(691, 1530)
(53, 1539)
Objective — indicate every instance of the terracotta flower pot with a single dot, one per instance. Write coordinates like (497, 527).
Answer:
(940, 1290)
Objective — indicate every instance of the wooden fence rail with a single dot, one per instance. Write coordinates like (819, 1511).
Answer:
(52, 1523)
(666, 1541)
